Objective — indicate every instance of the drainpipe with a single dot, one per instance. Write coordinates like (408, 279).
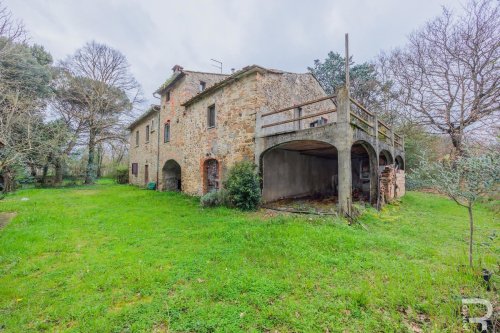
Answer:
(158, 146)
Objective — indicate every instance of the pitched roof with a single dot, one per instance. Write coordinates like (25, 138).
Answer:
(230, 79)
(170, 82)
(152, 110)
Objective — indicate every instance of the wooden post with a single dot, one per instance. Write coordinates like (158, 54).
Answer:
(347, 79)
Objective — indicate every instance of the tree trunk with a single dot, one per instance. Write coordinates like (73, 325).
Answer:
(456, 141)
(99, 161)
(45, 170)
(58, 165)
(90, 173)
(471, 221)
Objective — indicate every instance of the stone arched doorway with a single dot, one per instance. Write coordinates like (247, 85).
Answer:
(297, 169)
(364, 172)
(211, 178)
(172, 176)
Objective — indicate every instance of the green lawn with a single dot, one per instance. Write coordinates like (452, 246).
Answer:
(114, 258)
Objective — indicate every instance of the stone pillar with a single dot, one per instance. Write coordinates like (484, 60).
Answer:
(344, 151)
(393, 148)
(297, 113)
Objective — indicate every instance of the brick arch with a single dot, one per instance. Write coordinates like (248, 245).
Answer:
(211, 174)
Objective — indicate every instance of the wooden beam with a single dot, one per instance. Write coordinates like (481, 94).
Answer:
(300, 118)
(361, 119)
(359, 105)
(299, 105)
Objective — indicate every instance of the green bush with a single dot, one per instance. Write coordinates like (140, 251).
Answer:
(215, 198)
(121, 175)
(243, 186)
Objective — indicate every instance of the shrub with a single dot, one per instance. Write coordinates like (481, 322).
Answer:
(215, 198)
(243, 186)
(121, 174)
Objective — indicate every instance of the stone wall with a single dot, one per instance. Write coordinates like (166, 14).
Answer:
(233, 138)
(145, 153)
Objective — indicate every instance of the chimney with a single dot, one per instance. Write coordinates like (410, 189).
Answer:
(177, 69)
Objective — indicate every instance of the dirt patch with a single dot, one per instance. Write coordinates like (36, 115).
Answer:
(312, 205)
(5, 218)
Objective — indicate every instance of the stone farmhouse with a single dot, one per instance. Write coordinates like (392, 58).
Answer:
(304, 142)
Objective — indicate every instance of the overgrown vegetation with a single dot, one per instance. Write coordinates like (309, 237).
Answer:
(114, 258)
(243, 186)
(241, 189)
(465, 180)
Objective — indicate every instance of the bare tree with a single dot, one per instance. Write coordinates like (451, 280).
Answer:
(447, 76)
(11, 29)
(96, 95)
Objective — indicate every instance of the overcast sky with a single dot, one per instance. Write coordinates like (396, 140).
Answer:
(287, 35)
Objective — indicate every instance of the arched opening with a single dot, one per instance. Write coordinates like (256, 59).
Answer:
(211, 175)
(400, 164)
(172, 176)
(299, 169)
(385, 158)
(364, 172)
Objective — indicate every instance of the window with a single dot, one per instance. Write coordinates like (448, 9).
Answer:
(167, 96)
(135, 169)
(147, 133)
(166, 132)
(137, 138)
(146, 174)
(211, 116)
(203, 85)
(152, 125)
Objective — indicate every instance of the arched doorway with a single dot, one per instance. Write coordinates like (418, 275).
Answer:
(385, 158)
(364, 172)
(297, 169)
(172, 176)
(211, 175)
(400, 164)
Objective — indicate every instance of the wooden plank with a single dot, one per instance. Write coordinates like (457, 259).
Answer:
(383, 124)
(300, 105)
(361, 119)
(361, 106)
(298, 119)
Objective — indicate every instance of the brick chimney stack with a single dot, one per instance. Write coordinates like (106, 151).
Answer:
(177, 69)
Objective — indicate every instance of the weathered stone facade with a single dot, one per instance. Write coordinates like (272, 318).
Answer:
(207, 122)
(232, 138)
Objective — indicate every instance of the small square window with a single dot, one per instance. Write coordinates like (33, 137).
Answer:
(135, 169)
(211, 116)
(203, 85)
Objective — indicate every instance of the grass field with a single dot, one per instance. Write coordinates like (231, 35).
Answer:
(114, 258)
